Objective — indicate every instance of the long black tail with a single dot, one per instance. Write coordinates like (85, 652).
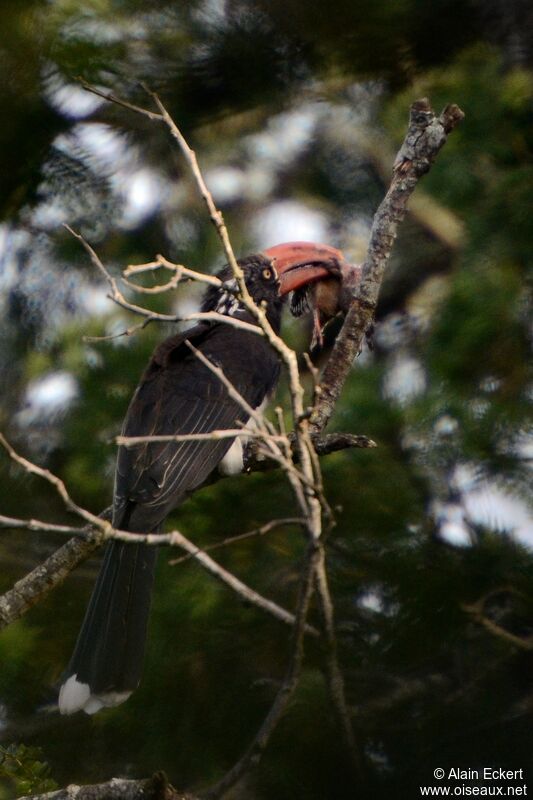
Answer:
(106, 665)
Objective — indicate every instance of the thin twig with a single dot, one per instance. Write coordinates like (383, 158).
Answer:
(238, 586)
(46, 576)
(126, 332)
(477, 612)
(261, 531)
(112, 98)
(335, 680)
(25, 593)
(117, 297)
(183, 271)
(160, 288)
(213, 436)
(290, 681)
(253, 413)
(57, 483)
(42, 526)
(214, 213)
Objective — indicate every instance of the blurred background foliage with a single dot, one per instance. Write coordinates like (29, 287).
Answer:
(295, 110)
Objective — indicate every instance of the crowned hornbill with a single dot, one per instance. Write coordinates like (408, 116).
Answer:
(178, 395)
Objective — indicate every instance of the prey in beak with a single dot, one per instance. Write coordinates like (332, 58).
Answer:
(326, 299)
(320, 278)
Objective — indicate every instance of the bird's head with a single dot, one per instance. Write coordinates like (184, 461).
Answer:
(271, 275)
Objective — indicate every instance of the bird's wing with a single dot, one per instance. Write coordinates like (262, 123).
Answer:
(180, 395)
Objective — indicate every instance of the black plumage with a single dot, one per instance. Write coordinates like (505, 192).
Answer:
(176, 395)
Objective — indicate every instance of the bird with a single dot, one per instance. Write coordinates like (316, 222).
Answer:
(327, 297)
(178, 394)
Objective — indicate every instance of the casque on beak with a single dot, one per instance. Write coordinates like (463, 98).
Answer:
(300, 263)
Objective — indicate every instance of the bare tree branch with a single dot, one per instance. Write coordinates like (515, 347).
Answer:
(117, 297)
(238, 586)
(256, 460)
(111, 98)
(34, 586)
(38, 583)
(262, 531)
(53, 571)
(56, 482)
(42, 526)
(477, 612)
(155, 788)
(227, 433)
(426, 134)
(335, 678)
(180, 273)
(286, 690)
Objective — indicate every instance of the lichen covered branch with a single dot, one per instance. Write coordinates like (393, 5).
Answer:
(426, 135)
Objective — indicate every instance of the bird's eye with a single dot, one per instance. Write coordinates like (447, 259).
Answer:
(267, 273)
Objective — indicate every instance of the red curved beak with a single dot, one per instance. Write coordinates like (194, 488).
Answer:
(300, 263)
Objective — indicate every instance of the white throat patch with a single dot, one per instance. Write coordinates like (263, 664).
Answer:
(228, 303)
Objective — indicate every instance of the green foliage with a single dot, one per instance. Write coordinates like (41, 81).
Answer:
(22, 770)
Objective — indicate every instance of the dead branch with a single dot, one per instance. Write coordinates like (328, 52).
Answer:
(34, 586)
(256, 460)
(180, 273)
(478, 614)
(155, 788)
(335, 679)
(306, 482)
(249, 595)
(228, 433)
(42, 526)
(111, 98)
(37, 584)
(51, 573)
(426, 135)
(286, 690)
(117, 297)
(54, 570)
(257, 532)
(56, 482)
